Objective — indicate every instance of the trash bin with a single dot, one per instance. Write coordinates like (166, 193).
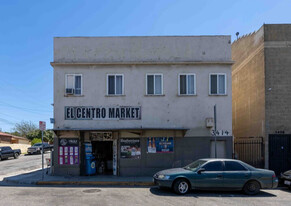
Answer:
(90, 166)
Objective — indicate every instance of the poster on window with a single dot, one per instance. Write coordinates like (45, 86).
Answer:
(68, 151)
(130, 148)
(160, 144)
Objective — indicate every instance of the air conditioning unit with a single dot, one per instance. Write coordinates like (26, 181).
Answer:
(69, 91)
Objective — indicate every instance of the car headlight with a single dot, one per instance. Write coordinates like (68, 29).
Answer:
(38, 148)
(163, 177)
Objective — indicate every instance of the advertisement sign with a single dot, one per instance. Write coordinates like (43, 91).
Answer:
(160, 144)
(68, 151)
(103, 113)
(130, 148)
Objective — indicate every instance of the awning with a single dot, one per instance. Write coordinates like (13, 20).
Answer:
(116, 129)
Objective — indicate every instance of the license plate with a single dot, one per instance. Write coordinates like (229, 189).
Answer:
(287, 182)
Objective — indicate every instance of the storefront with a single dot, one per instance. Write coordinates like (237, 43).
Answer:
(132, 106)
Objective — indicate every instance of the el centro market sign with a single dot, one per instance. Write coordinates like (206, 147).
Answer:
(101, 113)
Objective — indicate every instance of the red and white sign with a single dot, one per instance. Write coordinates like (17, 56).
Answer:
(42, 126)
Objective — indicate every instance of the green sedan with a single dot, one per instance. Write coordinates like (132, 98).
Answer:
(217, 174)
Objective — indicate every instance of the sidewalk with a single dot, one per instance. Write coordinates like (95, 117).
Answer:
(35, 177)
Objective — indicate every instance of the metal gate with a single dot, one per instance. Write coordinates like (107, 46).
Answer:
(250, 150)
(279, 152)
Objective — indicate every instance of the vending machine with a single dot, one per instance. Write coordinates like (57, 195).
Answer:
(89, 160)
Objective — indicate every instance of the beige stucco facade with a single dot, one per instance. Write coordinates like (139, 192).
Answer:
(261, 84)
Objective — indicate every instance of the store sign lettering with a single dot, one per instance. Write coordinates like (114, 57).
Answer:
(99, 113)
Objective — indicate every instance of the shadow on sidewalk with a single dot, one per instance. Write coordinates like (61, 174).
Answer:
(198, 193)
(34, 179)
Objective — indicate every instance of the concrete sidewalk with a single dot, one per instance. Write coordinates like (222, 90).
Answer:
(35, 177)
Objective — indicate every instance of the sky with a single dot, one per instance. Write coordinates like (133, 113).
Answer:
(27, 29)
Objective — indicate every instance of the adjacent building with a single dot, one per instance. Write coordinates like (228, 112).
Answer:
(132, 106)
(261, 92)
(12, 139)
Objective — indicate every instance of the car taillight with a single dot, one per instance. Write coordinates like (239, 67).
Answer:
(274, 175)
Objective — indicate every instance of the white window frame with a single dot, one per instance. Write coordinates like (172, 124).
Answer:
(162, 82)
(107, 86)
(217, 86)
(187, 74)
(66, 83)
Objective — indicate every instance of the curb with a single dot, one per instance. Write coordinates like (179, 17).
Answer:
(97, 183)
(12, 181)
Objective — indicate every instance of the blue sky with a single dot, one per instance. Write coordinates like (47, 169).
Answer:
(27, 29)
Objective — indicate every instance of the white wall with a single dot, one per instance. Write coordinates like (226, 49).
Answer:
(137, 49)
(168, 111)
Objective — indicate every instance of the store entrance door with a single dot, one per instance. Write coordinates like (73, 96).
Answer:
(103, 153)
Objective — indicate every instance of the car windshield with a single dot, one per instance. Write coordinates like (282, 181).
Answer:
(38, 144)
(195, 165)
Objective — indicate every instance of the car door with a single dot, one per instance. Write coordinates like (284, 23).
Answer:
(5, 152)
(235, 175)
(211, 177)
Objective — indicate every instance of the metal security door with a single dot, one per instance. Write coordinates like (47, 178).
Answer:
(279, 152)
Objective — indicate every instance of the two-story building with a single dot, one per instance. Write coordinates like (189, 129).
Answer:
(142, 103)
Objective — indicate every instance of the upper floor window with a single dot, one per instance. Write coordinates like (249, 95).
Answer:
(74, 84)
(115, 84)
(217, 84)
(187, 84)
(154, 84)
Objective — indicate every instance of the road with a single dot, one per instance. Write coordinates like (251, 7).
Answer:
(127, 196)
(24, 163)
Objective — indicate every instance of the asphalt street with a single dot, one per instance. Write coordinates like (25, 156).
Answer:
(31, 195)
(105, 196)
(24, 163)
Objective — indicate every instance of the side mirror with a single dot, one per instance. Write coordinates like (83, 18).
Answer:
(200, 170)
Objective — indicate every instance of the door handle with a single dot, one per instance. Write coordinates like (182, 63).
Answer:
(219, 175)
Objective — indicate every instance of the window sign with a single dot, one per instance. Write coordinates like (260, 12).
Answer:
(130, 148)
(68, 151)
(160, 144)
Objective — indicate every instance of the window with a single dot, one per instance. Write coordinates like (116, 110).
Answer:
(154, 84)
(115, 84)
(187, 84)
(217, 84)
(74, 84)
(213, 166)
(233, 166)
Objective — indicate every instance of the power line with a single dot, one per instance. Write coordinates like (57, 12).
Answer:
(7, 121)
(23, 108)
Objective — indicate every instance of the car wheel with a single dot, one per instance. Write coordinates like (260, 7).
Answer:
(181, 186)
(0, 158)
(16, 155)
(252, 188)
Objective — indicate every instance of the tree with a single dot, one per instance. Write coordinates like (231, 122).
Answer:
(36, 134)
(24, 127)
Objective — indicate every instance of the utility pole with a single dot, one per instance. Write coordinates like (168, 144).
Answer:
(42, 162)
(215, 150)
(42, 127)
